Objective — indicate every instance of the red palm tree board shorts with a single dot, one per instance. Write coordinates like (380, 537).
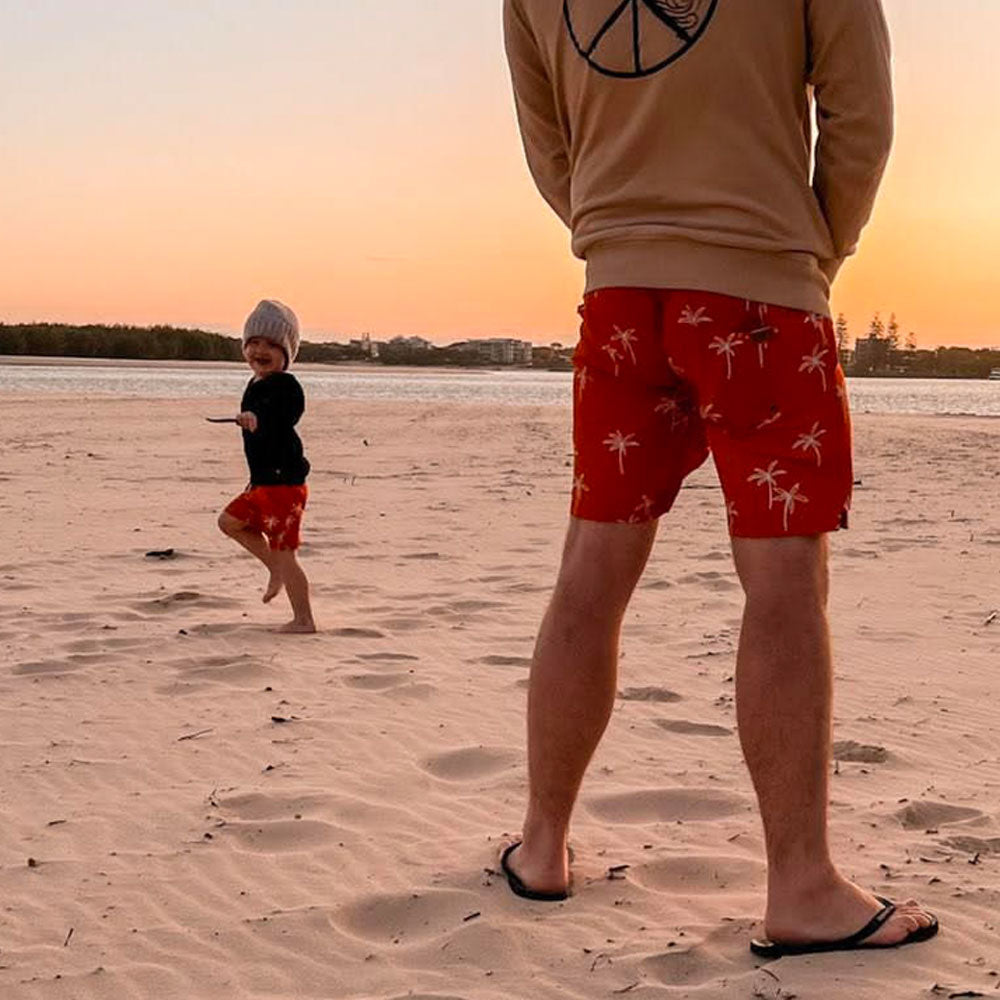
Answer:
(664, 378)
(274, 511)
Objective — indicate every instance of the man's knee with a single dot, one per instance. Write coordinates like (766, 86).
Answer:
(600, 567)
(781, 573)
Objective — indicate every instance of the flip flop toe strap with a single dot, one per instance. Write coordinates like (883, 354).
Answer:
(873, 926)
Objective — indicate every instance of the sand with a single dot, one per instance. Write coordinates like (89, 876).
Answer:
(195, 807)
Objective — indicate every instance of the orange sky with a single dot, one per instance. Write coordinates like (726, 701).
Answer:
(177, 163)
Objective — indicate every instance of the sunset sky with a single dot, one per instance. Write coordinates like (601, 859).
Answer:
(173, 162)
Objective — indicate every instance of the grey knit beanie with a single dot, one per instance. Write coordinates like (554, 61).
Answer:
(274, 321)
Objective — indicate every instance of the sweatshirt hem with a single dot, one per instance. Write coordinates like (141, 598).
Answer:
(792, 279)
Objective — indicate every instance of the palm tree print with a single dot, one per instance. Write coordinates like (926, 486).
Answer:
(727, 347)
(814, 362)
(709, 413)
(815, 320)
(614, 355)
(811, 442)
(626, 338)
(620, 443)
(579, 488)
(670, 406)
(767, 421)
(768, 477)
(582, 378)
(694, 317)
(643, 512)
(790, 498)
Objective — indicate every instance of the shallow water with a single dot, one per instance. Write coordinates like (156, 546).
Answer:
(511, 388)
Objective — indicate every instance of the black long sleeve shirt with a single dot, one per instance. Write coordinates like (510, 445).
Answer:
(274, 450)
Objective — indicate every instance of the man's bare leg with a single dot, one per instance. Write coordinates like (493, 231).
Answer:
(256, 544)
(573, 685)
(784, 698)
(296, 584)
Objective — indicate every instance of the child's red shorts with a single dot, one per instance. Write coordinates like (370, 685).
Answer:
(663, 378)
(275, 511)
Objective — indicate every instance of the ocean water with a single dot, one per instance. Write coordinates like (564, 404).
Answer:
(495, 388)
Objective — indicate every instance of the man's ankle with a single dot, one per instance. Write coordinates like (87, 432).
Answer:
(802, 877)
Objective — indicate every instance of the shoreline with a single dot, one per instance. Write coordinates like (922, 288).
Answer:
(62, 361)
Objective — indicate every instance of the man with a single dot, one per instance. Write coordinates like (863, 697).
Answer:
(674, 138)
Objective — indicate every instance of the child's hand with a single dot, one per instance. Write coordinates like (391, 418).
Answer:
(248, 421)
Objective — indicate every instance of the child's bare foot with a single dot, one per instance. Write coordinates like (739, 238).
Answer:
(274, 586)
(297, 628)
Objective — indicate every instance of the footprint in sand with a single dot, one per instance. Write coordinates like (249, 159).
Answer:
(721, 955)
(402, 623)
(658, 695)
(243, 671)
(271, 805)
(463, 607)
(46, 667)
(183, 599)
(692, 728)
(930, 815)
(97, 645)
(858, 554)
(697, 874)
(712, 580)
(974, 845)
(667, 805)
(469, 763)
(376, 682)
(358, 633)
(852, 752)
(415, 692)
(283, 836)
(495, 660)
(407, 917)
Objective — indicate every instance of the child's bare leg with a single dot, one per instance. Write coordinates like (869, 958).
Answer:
(256, 544)
(297, 587)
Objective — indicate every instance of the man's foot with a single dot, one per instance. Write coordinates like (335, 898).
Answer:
(297, 628)
(837, 911)
(543, 883)
(273, 588)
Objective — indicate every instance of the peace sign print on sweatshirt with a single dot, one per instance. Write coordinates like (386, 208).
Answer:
(636, 38)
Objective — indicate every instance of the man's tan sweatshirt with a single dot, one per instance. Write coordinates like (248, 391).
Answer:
(675, 137)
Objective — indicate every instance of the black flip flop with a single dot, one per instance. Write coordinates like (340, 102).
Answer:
(519, 888)
(854, 942)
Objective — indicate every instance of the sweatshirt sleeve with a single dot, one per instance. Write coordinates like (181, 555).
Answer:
(851, 71)
(544, 139)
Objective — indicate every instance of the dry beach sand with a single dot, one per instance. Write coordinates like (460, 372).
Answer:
(214, 811)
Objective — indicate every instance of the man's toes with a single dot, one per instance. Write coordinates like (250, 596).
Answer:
(915, 910)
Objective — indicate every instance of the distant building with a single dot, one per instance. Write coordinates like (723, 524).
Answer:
(366, 346)
(872, 353)
(500, 350)
(410, 343)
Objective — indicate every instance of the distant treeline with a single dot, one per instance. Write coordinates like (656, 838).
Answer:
(168, 343)
(156, 343)
(163, 343)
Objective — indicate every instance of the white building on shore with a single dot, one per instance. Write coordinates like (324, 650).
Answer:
(500, 350)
